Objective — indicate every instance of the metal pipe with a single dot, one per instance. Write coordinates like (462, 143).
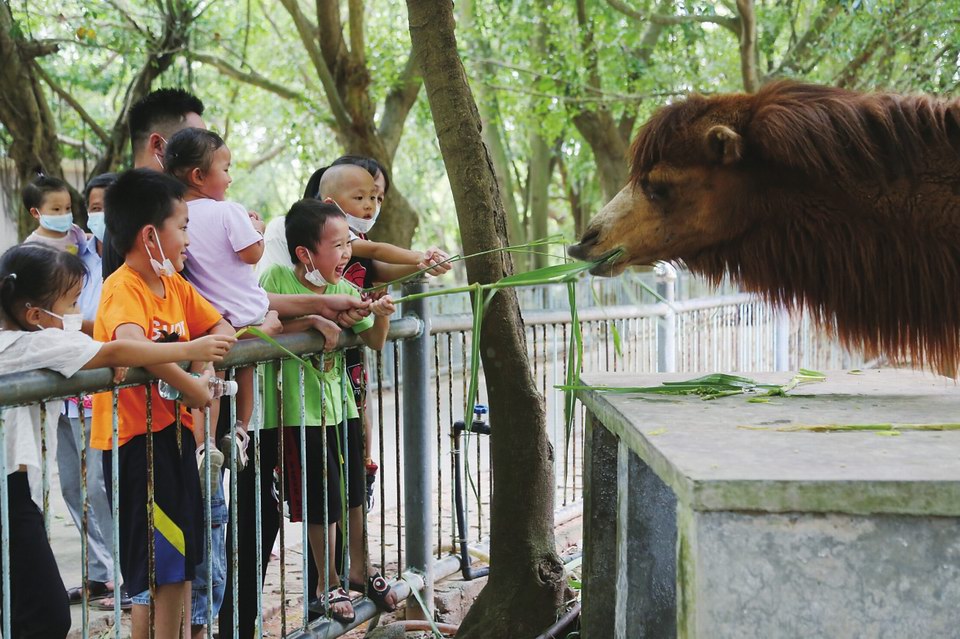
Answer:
(32, 387)
(417, 442)
(554, 631)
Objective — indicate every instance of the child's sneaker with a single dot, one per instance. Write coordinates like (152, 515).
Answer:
(242, 441)
(216, 463)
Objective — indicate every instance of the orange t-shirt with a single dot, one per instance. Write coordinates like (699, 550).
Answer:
(126, 299)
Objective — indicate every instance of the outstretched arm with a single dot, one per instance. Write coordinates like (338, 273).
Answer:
(329, 306)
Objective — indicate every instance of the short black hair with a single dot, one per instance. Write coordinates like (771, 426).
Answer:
(304, 224)
(101, 181)
(39, 188)
(312, 189)
(189, 149)
(160, 111)
(37, 274)
(138, 198)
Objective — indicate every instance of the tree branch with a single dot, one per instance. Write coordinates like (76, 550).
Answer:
(253, 78)
(797, 56)
(38, 48)
(398, 103)
(748, 45)
(76, 106)
(730, 24)
(307, 32)
(355, 16)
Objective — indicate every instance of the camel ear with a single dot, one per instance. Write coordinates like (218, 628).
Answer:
(724, 145)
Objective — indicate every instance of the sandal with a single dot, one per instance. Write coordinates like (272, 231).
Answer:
(376, 589)
(325, 603)
(95, 590)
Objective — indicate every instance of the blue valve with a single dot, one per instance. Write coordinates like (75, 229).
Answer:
(479, 409)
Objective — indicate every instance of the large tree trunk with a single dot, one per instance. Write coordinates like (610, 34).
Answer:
(526, 577)
(24, 111)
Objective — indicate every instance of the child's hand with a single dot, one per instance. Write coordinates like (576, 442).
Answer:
(437, 259)
(197, 393)
(271, 324)
(383, 307)
(257, 222)
(120, 374)
(329, 330)
(332, 306)
(210, 348)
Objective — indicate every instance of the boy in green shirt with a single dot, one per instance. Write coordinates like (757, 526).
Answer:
(318, 239)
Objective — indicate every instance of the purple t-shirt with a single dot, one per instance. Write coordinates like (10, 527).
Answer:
(217, 231)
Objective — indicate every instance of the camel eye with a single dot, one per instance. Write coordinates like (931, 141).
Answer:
(656, 192)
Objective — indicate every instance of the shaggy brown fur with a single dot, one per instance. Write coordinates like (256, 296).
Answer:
(842, 202)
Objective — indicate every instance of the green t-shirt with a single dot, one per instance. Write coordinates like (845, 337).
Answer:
(280, 279)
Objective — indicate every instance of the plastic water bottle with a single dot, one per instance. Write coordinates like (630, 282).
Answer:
(218, 388)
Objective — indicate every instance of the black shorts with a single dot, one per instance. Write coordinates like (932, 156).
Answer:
(355, 481)
(178, 511)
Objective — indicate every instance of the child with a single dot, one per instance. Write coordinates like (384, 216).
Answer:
(319, 243)
(225, 242)
(145, 300)
(70, 436)
(39, 289)
(48, 200)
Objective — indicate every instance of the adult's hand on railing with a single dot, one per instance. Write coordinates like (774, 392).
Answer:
(329, 330)
(120, 374)
(340, 308)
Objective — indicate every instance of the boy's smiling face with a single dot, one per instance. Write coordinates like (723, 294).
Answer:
(334, 251)
(172, 236)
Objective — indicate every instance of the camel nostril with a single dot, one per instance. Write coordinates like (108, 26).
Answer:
(581, 251)
(590, 238)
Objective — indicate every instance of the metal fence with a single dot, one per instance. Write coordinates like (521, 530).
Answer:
(416, 395)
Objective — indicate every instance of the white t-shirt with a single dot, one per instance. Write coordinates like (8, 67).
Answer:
(274, 246)
(62, 351)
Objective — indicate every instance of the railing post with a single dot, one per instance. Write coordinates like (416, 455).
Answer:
(667, 323)
(418, 450)
(781, 338)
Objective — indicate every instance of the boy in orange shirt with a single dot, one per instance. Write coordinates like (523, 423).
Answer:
(145, 299)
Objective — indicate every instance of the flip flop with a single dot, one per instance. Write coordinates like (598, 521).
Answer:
(376, 589)
(95, 590)
(325, 603)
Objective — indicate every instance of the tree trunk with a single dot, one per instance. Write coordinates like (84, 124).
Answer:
(526, 578)
(25, 114)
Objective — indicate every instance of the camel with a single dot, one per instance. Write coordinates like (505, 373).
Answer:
(843, 203)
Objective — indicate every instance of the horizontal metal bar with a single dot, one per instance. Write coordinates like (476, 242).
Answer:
(40, 385)
(464, 322)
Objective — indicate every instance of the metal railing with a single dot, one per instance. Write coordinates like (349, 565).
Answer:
(413, 527)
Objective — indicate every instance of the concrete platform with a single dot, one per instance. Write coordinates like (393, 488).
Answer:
(702, 519)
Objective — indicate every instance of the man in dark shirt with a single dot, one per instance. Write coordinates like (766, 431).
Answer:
(152, 121)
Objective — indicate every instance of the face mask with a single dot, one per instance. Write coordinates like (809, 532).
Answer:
(71, 321)
(166, 268)
(313, 276)
(97, 224)
(360, 225)
(57, 223)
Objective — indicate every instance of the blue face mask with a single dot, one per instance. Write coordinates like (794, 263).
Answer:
(57, 223)
(96, 224)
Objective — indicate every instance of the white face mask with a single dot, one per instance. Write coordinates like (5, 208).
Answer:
(166, 268)
(313, 276)
(360, 225)
(70, 321)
